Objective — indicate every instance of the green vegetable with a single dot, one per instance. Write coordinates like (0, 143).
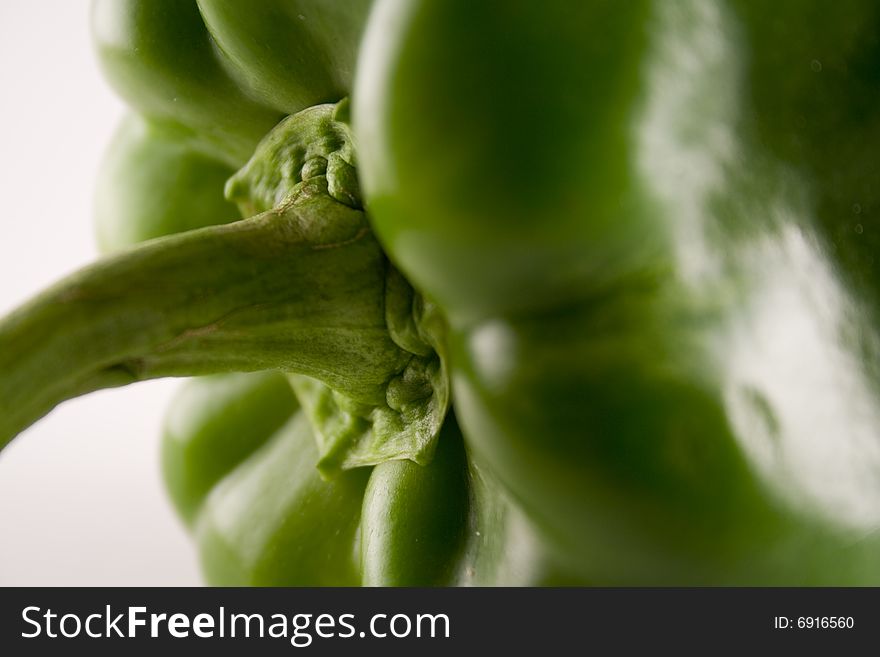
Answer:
(629, 247)
(653, 235)
(268, 518)
(153, 183)
(240, 459)
(161, 59)
(214, 424)
(290, 54)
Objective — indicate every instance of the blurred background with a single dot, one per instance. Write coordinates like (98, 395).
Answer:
(81, 500)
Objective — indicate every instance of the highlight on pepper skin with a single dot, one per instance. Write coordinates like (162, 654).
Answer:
(554, 294)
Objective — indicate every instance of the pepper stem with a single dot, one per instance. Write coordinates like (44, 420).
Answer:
(303, 287)
(270, 292)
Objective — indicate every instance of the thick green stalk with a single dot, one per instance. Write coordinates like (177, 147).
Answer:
(299, 289)
(302, 287)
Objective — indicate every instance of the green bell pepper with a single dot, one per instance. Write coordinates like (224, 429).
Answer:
(239, 460)
(160, 58)
(153, 183)
(628, 246)
(290, 54)
(652, 236)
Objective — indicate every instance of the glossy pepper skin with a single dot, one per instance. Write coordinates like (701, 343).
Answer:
(239, 461)
(658, 262)
(265, 40)
(628, 246)
(160, 58)
(238, 458)
(152, 183)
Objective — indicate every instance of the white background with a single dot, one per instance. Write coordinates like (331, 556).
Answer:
(81, 500)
